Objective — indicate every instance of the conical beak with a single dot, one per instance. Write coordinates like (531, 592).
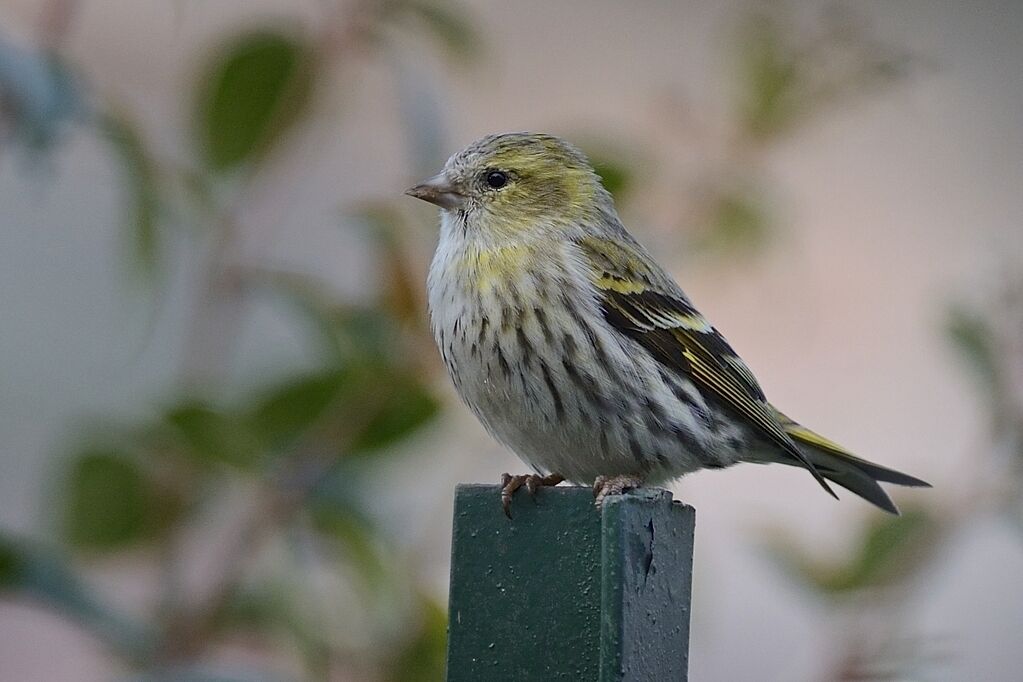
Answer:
(438, 190)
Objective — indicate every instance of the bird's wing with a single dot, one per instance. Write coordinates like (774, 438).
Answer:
(644, 304)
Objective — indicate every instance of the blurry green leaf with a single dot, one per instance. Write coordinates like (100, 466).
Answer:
(738, 223)
(424, 657)
(309, 298)
(972, 336)
(10, 564)
(617, 178)
(284, 412)
(769, 77)
(368, 335)
(381, 400)
(890, 548)
(263, 607)
(336, 512)
(351, 334)
(213, 435)
(252, 93)
(449, 27)
(786, 75)
(615, 159)
(347, 333)
(398, 406)
(108, 502)
(376, 405)
(46, 577)
(143, 195)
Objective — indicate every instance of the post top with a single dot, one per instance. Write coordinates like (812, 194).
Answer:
(564, 591)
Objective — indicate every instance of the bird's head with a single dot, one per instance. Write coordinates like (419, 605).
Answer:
(510, 185)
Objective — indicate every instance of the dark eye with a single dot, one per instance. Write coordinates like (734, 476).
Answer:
(497, 179)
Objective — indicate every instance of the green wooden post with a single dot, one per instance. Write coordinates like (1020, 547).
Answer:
(562, 592)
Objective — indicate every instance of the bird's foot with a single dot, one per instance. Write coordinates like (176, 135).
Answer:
(613, 485)
(533, 482)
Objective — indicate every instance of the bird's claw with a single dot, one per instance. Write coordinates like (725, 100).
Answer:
(613, 485)
(533, 482)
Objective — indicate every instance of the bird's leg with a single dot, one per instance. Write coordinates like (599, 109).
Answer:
(613, 485)
(533, 482)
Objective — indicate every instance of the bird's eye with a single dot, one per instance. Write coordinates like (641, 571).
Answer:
(497, 179)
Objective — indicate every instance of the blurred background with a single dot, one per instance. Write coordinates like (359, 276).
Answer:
(228, 451)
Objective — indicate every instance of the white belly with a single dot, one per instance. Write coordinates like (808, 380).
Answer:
(564, 390)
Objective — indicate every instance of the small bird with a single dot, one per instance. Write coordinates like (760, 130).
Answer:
(578, 351)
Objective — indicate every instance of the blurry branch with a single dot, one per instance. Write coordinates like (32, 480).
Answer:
(55, 20)
(143, 196)
(44, 576)
(987, 336)
(890, 550)
(447, 23)
(787, 77)
(262, 85)
(267, 114)
(299, 443)
(870, 589)
(39, 96)
(784, 81)
(873, 586)
(878, 649)
(283, 492)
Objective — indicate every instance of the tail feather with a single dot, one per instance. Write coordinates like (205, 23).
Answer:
(857, 481)
(837, 464)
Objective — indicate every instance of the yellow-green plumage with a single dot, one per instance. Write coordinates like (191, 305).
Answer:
(577, 350)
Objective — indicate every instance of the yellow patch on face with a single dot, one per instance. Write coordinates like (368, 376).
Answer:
(545, 183)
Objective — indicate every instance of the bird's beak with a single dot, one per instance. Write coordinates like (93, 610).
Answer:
(438, 190)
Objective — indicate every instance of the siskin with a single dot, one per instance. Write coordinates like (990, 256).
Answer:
(578, 351)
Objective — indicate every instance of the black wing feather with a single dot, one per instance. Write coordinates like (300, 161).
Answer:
(676, 335)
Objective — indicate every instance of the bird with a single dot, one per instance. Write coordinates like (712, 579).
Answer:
(579, 352)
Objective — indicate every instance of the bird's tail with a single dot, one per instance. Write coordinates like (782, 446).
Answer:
(837, 464)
